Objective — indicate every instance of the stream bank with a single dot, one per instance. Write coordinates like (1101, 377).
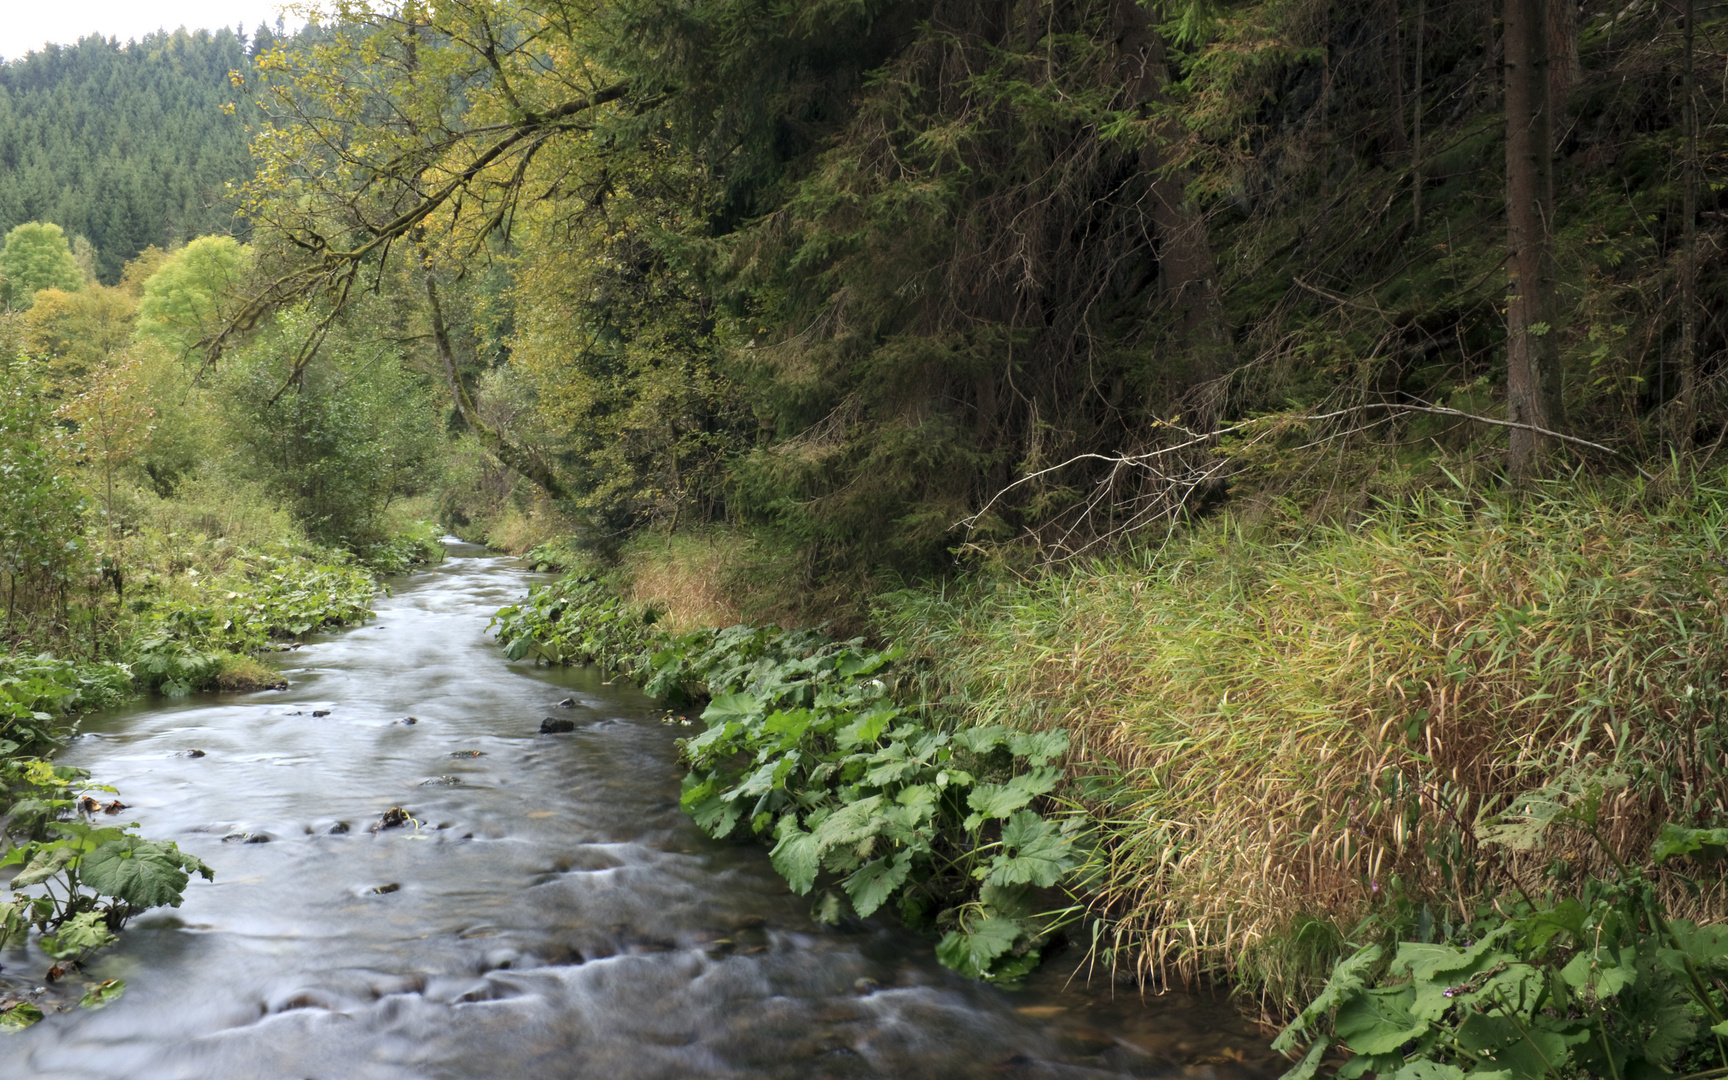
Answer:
(554, 912)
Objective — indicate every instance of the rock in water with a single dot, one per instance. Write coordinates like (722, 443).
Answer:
(567, 703)
(553, 725)
(393, 817)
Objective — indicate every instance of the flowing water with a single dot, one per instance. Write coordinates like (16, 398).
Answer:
(548, 911)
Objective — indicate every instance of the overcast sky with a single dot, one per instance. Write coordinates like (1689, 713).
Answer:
(29, 24)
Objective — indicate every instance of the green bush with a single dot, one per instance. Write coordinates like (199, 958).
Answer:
(1601, 982)
(418, 545)
(41, 509)
(869, 803)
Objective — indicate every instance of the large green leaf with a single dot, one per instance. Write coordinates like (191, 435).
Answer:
(1425, 1069)
(730, 707)
(872, 884)
(1675, 841)
(1349, 977)
(1034, 852)
(994, 801)
(1310, 1063)
(46, 863)
(972, 953)
(18, 1014)
(1038, 747)
(796, 856)
(851, 823)
(82, 933)
(1379, 1021)
(1599, 972)
(103, 993)
(140, 872)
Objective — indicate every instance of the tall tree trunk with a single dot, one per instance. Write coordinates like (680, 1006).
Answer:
(1187, 272)
(1686, 407)
(1393, 60)
(1565, 68)
(1490, 55)
(494, 442)
(1532, 373)
(1416, 123)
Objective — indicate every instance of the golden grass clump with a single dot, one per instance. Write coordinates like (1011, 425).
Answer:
(1302, 729)
(690, 578)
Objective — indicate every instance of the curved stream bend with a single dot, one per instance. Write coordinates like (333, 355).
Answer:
(553, 914)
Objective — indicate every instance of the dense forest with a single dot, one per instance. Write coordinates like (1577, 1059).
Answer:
(1267, 452)
(126, 145)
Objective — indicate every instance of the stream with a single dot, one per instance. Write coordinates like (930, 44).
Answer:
(548, 912)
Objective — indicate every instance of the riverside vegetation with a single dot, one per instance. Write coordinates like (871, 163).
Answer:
(1258, 462)
(142, 553)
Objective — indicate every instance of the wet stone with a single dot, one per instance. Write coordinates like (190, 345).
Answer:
(320, 712)
(189, 753)
(440, 781)
(392, 818)
(410, 721)
(381, 890)
(338, 829)
(555, 725)
(467, 753)
(567, 703)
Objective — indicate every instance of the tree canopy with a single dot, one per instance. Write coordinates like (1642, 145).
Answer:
(126, 144)
(37, 256)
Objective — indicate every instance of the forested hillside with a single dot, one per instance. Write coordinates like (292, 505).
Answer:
(125, 145)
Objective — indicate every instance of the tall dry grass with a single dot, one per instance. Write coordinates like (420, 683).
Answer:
(1301, 728)
(691, 578)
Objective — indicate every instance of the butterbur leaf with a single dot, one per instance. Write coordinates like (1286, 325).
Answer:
(1707, 946)
(44, 865)
(995, 801)
(850, 824)
(1009, 901)
(1040, 746)
(82, 933)
(102, 993)
(981, 740)
(1034, 852)
(729, 707)
(1675, 841)
(1424, 1069)
(972, 953)
(1598, 972)
(1524, 825)
(1379, 1021)
(796, 856)
(872, 884)
(1349, 977)
(140, 872)
(18, 1014)
(1310, 1063)
(867, 729)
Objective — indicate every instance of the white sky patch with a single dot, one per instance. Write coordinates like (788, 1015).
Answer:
(27, 25)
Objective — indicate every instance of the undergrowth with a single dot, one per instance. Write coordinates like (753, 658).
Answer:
(1293, 730)
(1594, 980)
(869, 803)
